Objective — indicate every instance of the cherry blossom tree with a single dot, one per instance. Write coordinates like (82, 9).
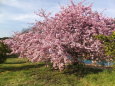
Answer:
(64, 38)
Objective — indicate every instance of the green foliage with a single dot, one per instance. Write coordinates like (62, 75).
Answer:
(4, 50)
(108, 44)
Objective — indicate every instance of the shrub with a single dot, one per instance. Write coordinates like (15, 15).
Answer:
(108, 44)
(4, 50)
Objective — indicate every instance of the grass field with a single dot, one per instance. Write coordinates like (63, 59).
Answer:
(20, 72)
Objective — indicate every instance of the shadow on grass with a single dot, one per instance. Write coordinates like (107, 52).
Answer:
(13, 56)
(82, 70)
(25, 67)
(15, 62)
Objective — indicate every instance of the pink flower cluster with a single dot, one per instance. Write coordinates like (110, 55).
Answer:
(64, 38)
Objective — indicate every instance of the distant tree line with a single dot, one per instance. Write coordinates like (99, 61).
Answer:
(3, 38)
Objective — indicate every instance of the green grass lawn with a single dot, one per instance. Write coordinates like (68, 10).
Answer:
(20, 72)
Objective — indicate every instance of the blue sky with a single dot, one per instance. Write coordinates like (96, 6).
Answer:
(16, 15)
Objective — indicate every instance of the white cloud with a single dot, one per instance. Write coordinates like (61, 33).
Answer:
(28, 7)
(18, 4)
(28, 17)
(24, 17)
(17, 13)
